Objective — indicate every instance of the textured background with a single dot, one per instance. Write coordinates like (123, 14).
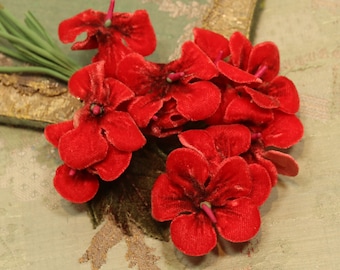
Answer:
(301, 220)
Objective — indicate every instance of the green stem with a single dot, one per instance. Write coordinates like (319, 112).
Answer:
(31, 43)
(37, 60)
(34, 49)
(31, 69)
(34, 24)
(13, 54)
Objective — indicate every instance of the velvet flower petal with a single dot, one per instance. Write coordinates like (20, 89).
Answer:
(191, 97)
(136, 31)
(255, 156)
(270, 168)
(240, 48)
(235, 74)
(83, 146)
(285, 93)
(239, 220)
(191, 62)
(284, 163)
(75, 186)
(53, 132)
(193, 234)
(143, 109)
(230, 140)
(242, 109)
(114, 164)
(87, 82)
(261, 184)
(266, 56)
(167, 200)
(232, 180)
(213, 44)
(70, 28)
(199, 140)
(261, 99)
(228, 95)
(283, 132)
(91, 85)
(187, 168)
(121, 131)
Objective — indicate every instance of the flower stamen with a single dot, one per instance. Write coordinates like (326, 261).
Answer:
(96, 109)
(72, 172)
(206, 207)
(109, 15)
(174, 77)
(260, 71)
(256, 136)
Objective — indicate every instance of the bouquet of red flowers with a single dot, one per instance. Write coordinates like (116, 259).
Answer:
(203, 136)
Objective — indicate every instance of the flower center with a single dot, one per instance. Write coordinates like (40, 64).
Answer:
(206, 207)
(109, 14)
(256, 136)
(260, 71)
(96, 110)
(174, 77)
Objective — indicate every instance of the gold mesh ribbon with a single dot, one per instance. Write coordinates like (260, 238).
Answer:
(228, 16)
(35, 101)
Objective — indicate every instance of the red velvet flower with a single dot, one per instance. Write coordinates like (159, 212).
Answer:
(198, 205)
(75, 186)
(217, 143)
(101, 138)
(114, 34)
(182, 83)
(254, 72)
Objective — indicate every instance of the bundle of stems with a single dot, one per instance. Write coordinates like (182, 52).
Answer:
(30, 43)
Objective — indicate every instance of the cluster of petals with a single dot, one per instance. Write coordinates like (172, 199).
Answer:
(170, 95)
(100, 138)
(114, 34)
(220, 142)
(202, 204)
(251, 86)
